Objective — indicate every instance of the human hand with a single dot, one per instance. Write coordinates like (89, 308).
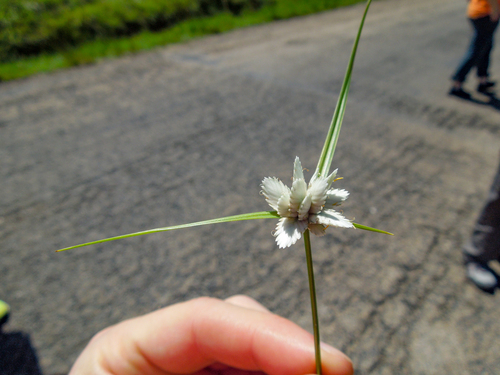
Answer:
(207, 336)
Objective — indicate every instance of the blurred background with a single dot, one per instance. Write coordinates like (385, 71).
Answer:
(41, 36)
(187, 132)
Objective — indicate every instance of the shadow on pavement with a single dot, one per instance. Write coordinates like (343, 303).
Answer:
(17, 356)
(488, 100)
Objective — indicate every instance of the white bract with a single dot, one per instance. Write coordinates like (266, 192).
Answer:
(304, 206)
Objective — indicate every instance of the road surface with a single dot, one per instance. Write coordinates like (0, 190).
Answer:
(187, 132)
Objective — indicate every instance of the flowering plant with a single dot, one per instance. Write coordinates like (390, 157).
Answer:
(302, 209)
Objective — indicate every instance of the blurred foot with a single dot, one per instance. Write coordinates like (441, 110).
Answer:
(459, 92)
(481, 275)
(486, 88)
(488, 83)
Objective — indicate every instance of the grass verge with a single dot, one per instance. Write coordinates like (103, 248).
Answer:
(91, 52)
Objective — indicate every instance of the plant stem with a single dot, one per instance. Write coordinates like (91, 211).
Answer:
(314, 305)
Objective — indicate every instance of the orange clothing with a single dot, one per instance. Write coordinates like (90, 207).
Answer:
(479, 8)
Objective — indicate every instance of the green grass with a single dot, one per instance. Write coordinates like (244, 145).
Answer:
(90, 52)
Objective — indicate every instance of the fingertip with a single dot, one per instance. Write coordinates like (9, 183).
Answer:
(335, 362)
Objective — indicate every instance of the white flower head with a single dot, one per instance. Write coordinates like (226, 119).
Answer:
(304, 206)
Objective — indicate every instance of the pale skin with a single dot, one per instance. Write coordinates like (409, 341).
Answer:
(207, 336)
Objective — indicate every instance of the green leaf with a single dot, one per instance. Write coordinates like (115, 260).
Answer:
(364, 227)
(325, 159)
(227, 219)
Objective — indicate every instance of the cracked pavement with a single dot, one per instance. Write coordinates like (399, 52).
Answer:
(187, 132)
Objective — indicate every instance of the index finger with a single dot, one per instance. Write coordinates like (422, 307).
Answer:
(190, 336)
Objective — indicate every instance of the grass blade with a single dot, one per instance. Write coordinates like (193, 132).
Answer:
(227, 219)
(325, 159)
(364, 227)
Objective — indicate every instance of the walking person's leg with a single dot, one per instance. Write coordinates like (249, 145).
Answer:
(484, 244)
(484, 58)
(471, 58)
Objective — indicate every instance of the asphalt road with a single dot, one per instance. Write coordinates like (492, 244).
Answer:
(187, 133)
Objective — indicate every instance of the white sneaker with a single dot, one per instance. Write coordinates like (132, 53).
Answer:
(481, 275)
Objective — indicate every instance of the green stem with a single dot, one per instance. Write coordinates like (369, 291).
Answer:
(314, 305)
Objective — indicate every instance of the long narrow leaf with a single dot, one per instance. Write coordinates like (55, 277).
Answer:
(325, 159)
(251, 216)
(364, 227)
